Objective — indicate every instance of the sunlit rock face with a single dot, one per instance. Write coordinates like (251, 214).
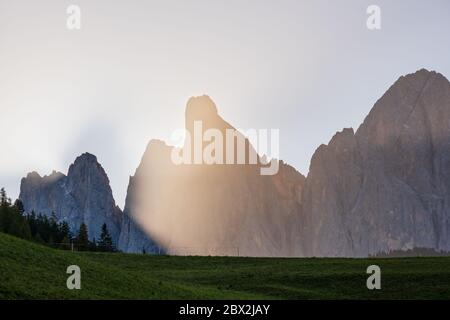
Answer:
(84, 195)
(387, 186)
(219, 209)
(383, 188)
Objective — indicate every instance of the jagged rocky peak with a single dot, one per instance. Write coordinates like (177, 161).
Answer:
(410, 99)
(419, 79)
(156, 146)
(157, 153)
(86, 174)
(33, 175)
(342, 138)
(383, 188)
(200, 107)
(86, 158)
(87, 164)
(416, 79)
(203, 111)
(56, 175)
(341, 144)
(386, 187)
(133, 236)
(83, 196)
(211, 209)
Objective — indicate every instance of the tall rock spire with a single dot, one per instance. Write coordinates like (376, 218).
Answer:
(83, 196)
(213, 209)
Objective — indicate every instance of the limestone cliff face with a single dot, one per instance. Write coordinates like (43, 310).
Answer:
(383, 188)
(133, 238)
(84, 195)
(387, 186)
(215, 209)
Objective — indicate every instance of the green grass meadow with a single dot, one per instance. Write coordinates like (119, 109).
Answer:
(32, 271)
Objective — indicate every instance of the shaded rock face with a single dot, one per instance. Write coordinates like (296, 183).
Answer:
(384, 188)
(214, 209)
(387, 186)
(133, 239)
(84, 195)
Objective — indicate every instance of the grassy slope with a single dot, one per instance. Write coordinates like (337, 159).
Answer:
(30, 271)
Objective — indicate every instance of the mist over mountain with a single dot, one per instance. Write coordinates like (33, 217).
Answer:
(383, 188)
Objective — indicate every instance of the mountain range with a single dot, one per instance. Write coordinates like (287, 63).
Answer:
(384, 187)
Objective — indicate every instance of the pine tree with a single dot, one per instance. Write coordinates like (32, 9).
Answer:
(83, 238)
(93, 245)
(53, 229)
(31, 218)
(65, 244)
(4, 200)
(64, 231)
(19, 205)
(4, 218)
(38, 238)
(25, 230)
(105, 243)
(44, 227)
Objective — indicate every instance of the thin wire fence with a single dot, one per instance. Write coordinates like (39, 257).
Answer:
(158, 250)
(203, 251)
(75, 247)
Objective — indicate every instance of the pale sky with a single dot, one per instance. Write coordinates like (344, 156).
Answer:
(307, 68)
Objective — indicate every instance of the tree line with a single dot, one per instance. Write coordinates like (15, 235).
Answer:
(47, 230)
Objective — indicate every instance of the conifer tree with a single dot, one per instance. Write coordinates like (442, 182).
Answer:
(65, 244)
(64, 231)
(19, 205)
(83, 238)
(3, 198)
(105, 243)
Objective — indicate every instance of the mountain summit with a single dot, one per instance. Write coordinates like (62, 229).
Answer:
(387, 186)
(83, 196)
(384, 188)
(213, 208)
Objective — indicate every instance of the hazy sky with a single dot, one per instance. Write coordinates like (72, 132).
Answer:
(309, 68)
